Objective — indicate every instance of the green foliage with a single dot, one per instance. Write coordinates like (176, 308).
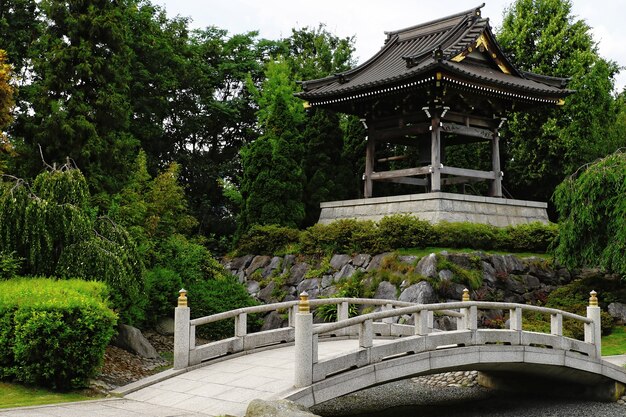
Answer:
(52, 227)
(267, 240)
(404, 231)
(10, 265)
(341, 236)
(351, 288)
(473, 278)
(53, 333)
(467, 235)
(216, 296)
(543, 146)
(532, 237)
(162, 286)
(592, 211)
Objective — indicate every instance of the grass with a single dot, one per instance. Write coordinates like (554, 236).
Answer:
(429, 250)
(615, 343)
(14, 395)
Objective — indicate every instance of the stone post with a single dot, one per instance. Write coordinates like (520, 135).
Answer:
(182, 316)
(515, 319)
(303, 375)
(593, 331)
(241, 325)
(421, 322)
(366, 334)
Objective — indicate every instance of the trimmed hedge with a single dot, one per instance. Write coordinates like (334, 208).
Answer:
(393, 232)
(53, 333)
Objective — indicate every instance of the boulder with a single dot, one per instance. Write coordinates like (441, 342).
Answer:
(461, 259)
(297, 273)
(272, 321)
(618, 311)
(130, 338)
(279, 408)
(421, 293)
(267, 292)
(346, 272)
(237, 264)
(532, 282)
(513, 264)
(311, 286)
(165, 326)
(339, 261)
(489, 274)
(407, 259)
(361, 260)
(499, 264)
(253, 287)
(327, 281)
(274, 264)
(386, 291)
(288, 262)
(427, 266)
(516, 284)
(376, 260)
(259, 262)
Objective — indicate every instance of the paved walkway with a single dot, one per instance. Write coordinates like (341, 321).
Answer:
(220, 388)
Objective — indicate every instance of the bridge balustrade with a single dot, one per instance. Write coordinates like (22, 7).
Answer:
(418, 337)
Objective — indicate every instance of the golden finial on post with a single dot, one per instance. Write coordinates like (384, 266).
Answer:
(303, 305)
(466, 296)
(182, 298)
(593, 300)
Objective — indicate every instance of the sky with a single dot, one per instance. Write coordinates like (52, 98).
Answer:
(368, 20)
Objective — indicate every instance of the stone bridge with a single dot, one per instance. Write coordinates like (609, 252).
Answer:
(311, 363)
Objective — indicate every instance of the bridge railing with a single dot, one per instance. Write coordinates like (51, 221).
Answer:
(309, 369)
(186, 353)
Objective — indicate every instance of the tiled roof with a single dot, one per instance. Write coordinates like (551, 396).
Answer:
(410, 53)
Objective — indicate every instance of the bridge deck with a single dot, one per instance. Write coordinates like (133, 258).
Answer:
(227, 387)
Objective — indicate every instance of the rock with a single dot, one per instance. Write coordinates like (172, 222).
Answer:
(407, 259)
(328, 291)
(241, 276)
(427, 266)
(311, 286)
(361, 260)
(499, 264)
(461, 259)
(130, 338)
(444, 323)
(421, 293)
(564, 275)
(253, 287)
(288, 262)
(279, 408)
(266, 294)
(618, 311)
(346, 272)
(297, 273)
(515, 283)
(259, 262)
(339, 261)
(532, 282)
(376, 260)
(274, 264)
(272, 321)
(165, 326)
(489, 274)
(237, 264)
(327, 281)
(445, 275)
(513, 264)
(386, 291)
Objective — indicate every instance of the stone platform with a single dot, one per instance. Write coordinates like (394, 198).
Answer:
(438, 207)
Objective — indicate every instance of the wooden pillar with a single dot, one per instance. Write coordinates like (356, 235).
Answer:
(370, 155)
(495, 190)
(435, 155)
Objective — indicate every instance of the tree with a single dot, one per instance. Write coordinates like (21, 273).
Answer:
(79, 105)
(6, 105)
(592, 215)
(273, 179)
(543, 146)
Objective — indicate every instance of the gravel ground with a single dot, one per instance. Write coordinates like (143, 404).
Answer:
(413, 399)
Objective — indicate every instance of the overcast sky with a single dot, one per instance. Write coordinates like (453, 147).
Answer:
(369, 19)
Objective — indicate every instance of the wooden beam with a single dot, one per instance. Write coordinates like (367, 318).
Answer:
(471, 173)
(393, 158)
(370, 157)
(462, 130)
(401, 140)
(407, 180)
(384, 175)
(470, 120)
(435, 154)
(496, 185)
(459, 180)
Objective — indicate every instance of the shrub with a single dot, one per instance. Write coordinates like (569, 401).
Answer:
(404, 231)
(466, 235)
(267, 240)
(345, 235)
(162, 286)
(53, 333)
(533, 237)
(216, 296)
(10, 265)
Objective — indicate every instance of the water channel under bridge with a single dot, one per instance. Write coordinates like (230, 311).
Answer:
(312, 363)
